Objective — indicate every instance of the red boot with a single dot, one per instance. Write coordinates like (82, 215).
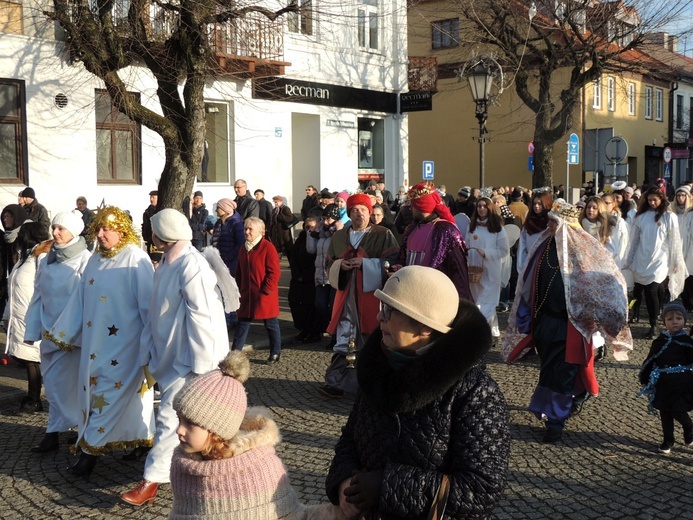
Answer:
(145, 492)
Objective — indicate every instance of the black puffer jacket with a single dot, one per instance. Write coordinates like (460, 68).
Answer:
(441, 414)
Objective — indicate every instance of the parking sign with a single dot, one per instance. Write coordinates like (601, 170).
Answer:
(428, 170)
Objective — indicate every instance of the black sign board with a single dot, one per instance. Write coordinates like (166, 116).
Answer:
(285, 89)
(416, 101)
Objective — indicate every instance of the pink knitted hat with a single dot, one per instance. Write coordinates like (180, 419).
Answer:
(216, 401)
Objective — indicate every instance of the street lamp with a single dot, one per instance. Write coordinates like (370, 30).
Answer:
(480, 73)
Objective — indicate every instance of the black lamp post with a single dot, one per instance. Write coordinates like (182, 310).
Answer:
(480, 78)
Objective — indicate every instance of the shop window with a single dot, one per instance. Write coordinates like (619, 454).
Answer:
(118, 144)
(371, 145)
(217, 162)
(13, 157)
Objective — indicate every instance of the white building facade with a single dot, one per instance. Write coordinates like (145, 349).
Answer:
(328, 117)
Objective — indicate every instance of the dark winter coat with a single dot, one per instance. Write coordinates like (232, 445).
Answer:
(228, 237)
(247, 206)
(673, 391)
(147, 225)
(265, 211)
(38, 213)
(440, 414)
(308, 204)
(198, 223)
(280, 229)
(257, 276)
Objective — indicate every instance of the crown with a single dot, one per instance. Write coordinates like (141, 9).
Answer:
(486, 192)
(566, 211)
(543, 189)
(421, 190)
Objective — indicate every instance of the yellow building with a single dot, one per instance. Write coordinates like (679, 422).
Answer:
(633, 105)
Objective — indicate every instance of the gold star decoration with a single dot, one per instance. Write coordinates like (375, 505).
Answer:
(91, 282)
(92, 381)
(89, 324)
(101, 430)
(62, 334)
(100, 402)
(112, 330)
(103, 298)
(118, 384)
(143, 389)
(114, 362)
(92, 356)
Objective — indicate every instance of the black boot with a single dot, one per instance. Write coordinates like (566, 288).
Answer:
(49, 443)
(29, 405)
(84, 466)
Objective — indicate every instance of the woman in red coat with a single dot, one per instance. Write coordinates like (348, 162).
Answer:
(257, 276)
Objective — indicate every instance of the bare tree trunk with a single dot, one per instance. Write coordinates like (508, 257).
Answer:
(543, 162)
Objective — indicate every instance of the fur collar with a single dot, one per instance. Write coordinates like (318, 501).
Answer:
(257, 429)
(422, 381)
(42, 248)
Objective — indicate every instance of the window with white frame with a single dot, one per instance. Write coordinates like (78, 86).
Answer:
(301, 21)
(597, 94)
(118, 144)
(648, 102)
(445, 33)
(368, 24)
(13, 155)
(610, 94)
(659, 107)
(631, 99)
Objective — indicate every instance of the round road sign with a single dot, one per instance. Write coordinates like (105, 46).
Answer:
(616, 149)
(530, 148)
(667, 155)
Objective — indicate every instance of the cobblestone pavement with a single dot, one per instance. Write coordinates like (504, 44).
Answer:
(607, 465)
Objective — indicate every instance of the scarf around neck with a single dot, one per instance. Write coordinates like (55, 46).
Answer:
(61, 254)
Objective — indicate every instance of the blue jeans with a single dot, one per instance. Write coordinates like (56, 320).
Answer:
(272, 327)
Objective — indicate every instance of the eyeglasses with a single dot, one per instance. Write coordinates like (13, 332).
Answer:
(386, 310)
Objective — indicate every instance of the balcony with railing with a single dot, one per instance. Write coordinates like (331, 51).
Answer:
(248, 47)
(243, 47)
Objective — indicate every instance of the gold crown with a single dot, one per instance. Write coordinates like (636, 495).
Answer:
(566, 211)
(421, 190)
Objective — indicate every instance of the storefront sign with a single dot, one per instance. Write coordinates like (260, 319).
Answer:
(285, 89)
(340, 123)
(415, 101)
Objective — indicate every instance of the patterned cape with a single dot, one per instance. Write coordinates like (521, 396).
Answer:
(595, 292)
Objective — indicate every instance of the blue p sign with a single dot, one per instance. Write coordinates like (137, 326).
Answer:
(428, 170)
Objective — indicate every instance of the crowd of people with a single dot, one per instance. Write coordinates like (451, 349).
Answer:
(398, 282)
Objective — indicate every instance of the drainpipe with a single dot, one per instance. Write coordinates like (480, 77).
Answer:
(673, 87)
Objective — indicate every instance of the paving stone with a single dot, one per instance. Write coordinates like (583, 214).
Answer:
(607, 465)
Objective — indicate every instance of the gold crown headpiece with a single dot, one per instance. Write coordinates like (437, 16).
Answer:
(118, 220)
(422, 189)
